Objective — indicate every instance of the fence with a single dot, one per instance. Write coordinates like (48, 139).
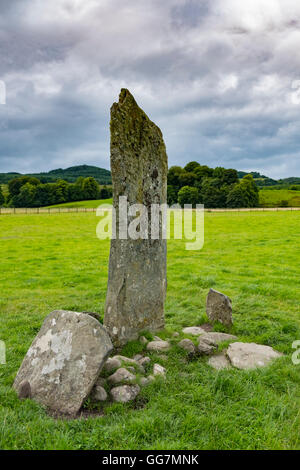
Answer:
(67, 210)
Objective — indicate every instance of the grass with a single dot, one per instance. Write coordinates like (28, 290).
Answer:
(279, 197)
(85, 204)
(56, 261)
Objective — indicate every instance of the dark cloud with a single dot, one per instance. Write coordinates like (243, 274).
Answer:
(219, 77)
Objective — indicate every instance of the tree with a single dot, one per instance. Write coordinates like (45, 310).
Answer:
(243, 194)
(203, 171)
(2, 198)
(172, 195)
(190, 167)
(105, 192)
(213, 193)
(15, 185)
(188, 195)
(187, 179)
(173, 176)
(26, 196)
(90, 188)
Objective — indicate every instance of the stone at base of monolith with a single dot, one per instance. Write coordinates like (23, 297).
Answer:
(219, 308)
(64, 361)
(137, 280)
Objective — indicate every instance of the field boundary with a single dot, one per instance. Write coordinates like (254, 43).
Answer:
(67, 210)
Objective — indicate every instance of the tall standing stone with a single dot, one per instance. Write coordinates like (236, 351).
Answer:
(137, 267)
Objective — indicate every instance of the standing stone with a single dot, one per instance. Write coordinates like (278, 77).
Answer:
(64, 361)
(219, 308)
(137, 267)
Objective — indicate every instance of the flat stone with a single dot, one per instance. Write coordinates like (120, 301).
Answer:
(158, 346)
(65, 360)
(159, 370)
(121, 375)
(111, 364)
(251, 355)
(98, 393)
(193, 330)
(137, 278)
(219, 308)
(216, 338)
(187, 345)
(125, 393)
(219, 362)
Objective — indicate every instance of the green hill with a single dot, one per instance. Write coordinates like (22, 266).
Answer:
(69, 174)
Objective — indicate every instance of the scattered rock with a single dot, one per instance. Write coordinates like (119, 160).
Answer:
(65, 360)
(193, 330)
(144, 361)
(207, 327)
(125, 393)
(159, 370)
(219, 362)
(101, 382)
(98, 393)
(251, 355)
(158, 346)
(121, 375)
(216, 338)
(146, 380)
(187, 345)
(137, 357)
(157, 338)
(111, 364)
(143, 340)
(175, 334)
(219, 308)
(205, 348)
(128, 360)
(24, 390)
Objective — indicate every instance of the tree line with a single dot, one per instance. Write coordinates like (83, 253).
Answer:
(214, 187)
(28, 191)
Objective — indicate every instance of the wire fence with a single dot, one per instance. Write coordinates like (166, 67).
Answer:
(68, 210)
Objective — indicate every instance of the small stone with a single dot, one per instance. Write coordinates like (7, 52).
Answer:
(216, 338)
(101, 382)
(144, 361)
(137, 357)
(131, 369)
(157, 338)
(205, 348)
(125, 393)
(98, 393)
(219, 362)
(219, 308)
(128, 360)
(121, 375)
(158, 346)
(146, 380)
(193, 330)
(143, 340)
(187, 345)
(251, 355)
(159, 370)
(24, 390)
(111, 364)
(175, 334)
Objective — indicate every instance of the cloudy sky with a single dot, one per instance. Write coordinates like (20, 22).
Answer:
(221, 78)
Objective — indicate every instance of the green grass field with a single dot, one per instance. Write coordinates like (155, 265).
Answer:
(56, 262)
(85, 204)
(279, 197)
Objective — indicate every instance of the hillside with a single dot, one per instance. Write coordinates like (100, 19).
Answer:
(69, 174)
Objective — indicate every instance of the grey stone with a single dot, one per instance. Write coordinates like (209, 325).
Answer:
(193, 330)
(159, 370)
(128, 360)
(158, 346)
(157, 338)
(219, 362)
(121, 375)
(187, 345)
(205, 348)
(111, 364)
(101, 382)
(65, 360)
(175, 334)
(144, 361)
(219, 308)
(137, 357)
(216, 338)
(125, 393)
(143, 340)
(251, 355)
(137, 268)
(98, 393)
(144, 381)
